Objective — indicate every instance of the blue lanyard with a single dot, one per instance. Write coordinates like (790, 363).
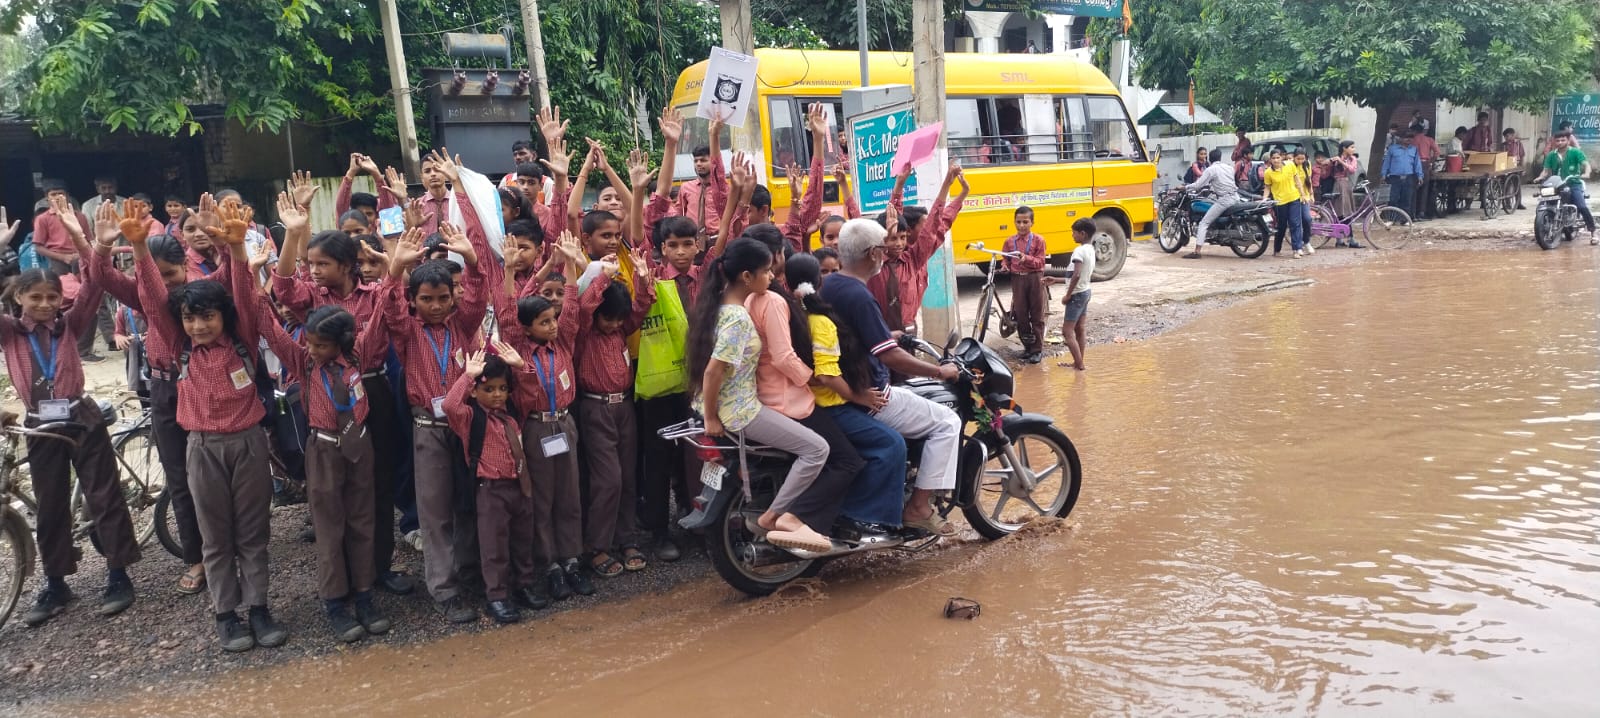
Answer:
(546, 380)
(47, 367)
(443, 357)
(133, 327)
(298, 332)
(327, 388)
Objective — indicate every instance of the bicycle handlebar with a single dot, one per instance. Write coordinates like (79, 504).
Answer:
(978, 247)
(47, 431)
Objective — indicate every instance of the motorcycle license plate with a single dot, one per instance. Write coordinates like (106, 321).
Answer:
(711, 476)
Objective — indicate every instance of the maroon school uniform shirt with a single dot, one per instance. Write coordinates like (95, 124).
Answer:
(809, 210)
(217, 394)
(910, 269)
(498, 461)
(703, 200)
(316, 379)
(548, 365)
(341, 200)
(602, 359)
(301, 295)
(1032, 249)
(199, 267)
(53, 345)
(127, 290)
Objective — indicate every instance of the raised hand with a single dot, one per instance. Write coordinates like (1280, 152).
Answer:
(372, 255)
(569, 248)
(817, 121)
(609, 266)
(643, 274)
(406, 251)
(638, 170)
(355, 165)
(134, 223)
(510, 354)
(450, 168)
(671, 124)
(366, 165)
(714, 131)
(8, 231)
(551, 125)
(208, 204)
(891, 218)
(475, 364)
(294, 218)
(795, 174)
(559, 161)
(105, 223)
(68, 216)
(414, 215)
(301, 188)
(395, 184)
(599, 152)
(739, 174)
(839, 174)
(235, 220)
(456, 241)
(261, 256)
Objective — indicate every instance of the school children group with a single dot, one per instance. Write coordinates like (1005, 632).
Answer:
(527, 443)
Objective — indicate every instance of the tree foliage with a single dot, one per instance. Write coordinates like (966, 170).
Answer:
(835, 21)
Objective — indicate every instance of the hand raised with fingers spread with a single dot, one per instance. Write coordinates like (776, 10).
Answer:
(475, 364)
(609, 266)
(8, 230)
(235, 220)
(106, 223)
(69, 217)
(642, 271)
(794, 174)
(414, 214)
(260, 256)
(638, 170)
(294, 218)
(817, 120)
(395, 184)
(456, 241)
(509, 354)
(559, 161)
(568, 247)
(134, 225)
(671, 124)
(302, 188)
(208, 204)
(551, 125)
(738, 172)
(406, 251)
(448, 167)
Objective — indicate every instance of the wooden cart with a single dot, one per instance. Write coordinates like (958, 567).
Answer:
(1489, 178)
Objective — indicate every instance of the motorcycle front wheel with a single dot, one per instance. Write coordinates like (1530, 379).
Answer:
(1174, 233)
(731, 546)
(1543, 232)
(1257, 245)
(1004, 504)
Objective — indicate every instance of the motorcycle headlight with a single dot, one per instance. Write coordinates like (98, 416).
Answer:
(1547, 191)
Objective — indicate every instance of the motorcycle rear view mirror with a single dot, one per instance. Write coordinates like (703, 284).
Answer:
(951, 341)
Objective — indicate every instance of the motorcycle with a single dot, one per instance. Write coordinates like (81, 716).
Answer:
(1556, 218)
(1242, 227)
(999, 452)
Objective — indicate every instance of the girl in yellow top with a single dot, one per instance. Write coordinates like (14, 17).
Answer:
(1283, 187)
(844, 389)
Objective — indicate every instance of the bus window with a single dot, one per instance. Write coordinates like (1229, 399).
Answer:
(1077, 141)
(833, 110)
(697, 134)
(1008, 144)
(963, 128)
(787, 128)
(1113, 133)
(1039, 113)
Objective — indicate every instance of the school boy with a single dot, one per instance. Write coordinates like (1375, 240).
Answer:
(1027, 284)
(908, 247)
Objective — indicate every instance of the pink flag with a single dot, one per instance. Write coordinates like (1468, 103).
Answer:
(915, 147)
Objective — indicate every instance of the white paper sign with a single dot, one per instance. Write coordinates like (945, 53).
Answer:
(729, 84)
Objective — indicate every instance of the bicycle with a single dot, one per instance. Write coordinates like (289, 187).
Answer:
(17, 549)
(140, 475)
(1382, 225)
(989, 301)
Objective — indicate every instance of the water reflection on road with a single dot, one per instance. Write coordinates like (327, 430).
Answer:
(1380, 492)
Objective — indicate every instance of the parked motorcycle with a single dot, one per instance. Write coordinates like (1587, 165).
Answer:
(1242, 227)
(1014, 467)
(1556, 218)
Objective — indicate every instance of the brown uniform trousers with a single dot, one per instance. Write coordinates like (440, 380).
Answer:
(52, 462)
(610, 445)
(449, 537)
(340, 493)
(557, 502)
(1027, 305)
(233, 502)
(505, 537)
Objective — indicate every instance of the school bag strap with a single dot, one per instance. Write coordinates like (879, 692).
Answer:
(238, 348)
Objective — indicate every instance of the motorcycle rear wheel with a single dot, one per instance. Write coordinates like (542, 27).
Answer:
(1255, 247)
(1052, 459)
(726, 538)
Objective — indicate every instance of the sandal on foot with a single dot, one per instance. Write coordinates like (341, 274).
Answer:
(1192, 255)
(803, 538)
(633, 559)
(605, 566)
(191, 583)
(932, 524)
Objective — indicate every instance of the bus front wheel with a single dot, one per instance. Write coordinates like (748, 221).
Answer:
(1110, 248)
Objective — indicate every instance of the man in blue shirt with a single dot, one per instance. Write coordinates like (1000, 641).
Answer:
(1402, 169)
(860, 257)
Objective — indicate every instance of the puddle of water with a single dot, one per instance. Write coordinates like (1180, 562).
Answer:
(1380, 492)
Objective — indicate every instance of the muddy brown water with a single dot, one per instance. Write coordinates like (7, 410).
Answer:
(1377, 496)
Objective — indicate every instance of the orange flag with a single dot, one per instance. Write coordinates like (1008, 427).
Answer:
(1127, 16)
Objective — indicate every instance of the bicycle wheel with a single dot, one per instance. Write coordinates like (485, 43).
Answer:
(166, 523)
(16, 559)
(1320, 234)
(1388, 228)
(143, 479)
(980, 321)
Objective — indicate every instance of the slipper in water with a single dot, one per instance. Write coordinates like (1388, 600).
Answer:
(804, 538)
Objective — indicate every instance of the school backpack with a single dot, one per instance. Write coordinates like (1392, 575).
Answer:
(27, 256)
(264, 387)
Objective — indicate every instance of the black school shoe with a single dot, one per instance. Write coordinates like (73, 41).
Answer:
(456, 610)
(530, 599)
(503, 612)
(344, 624)
(269, 633)
(118, 597)
(234, 635)
(370, 616)
(555, 581)
(51, 603)
(396, 583)
(579, 581)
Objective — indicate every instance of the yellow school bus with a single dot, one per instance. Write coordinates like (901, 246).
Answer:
(1036, 130)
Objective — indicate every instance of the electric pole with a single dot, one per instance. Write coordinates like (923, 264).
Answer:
(400, 87)
(940, 309)
(535, 39)
(738, 36)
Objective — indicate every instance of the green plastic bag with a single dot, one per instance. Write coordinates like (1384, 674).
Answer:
(661, 345)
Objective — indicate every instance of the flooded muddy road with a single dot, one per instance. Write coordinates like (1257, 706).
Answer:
(1376, 495)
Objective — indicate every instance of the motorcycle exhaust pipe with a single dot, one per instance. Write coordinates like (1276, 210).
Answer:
(761, 554)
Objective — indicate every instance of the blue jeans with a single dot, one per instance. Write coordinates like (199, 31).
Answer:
(1583, 205)
(1401, 190)
(1291, 218)
(878, 493)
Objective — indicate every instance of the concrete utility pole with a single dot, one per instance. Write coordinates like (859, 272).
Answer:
(400, 87)
(862, 44)
(940, 310)
(739, 36)
(535, 41)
